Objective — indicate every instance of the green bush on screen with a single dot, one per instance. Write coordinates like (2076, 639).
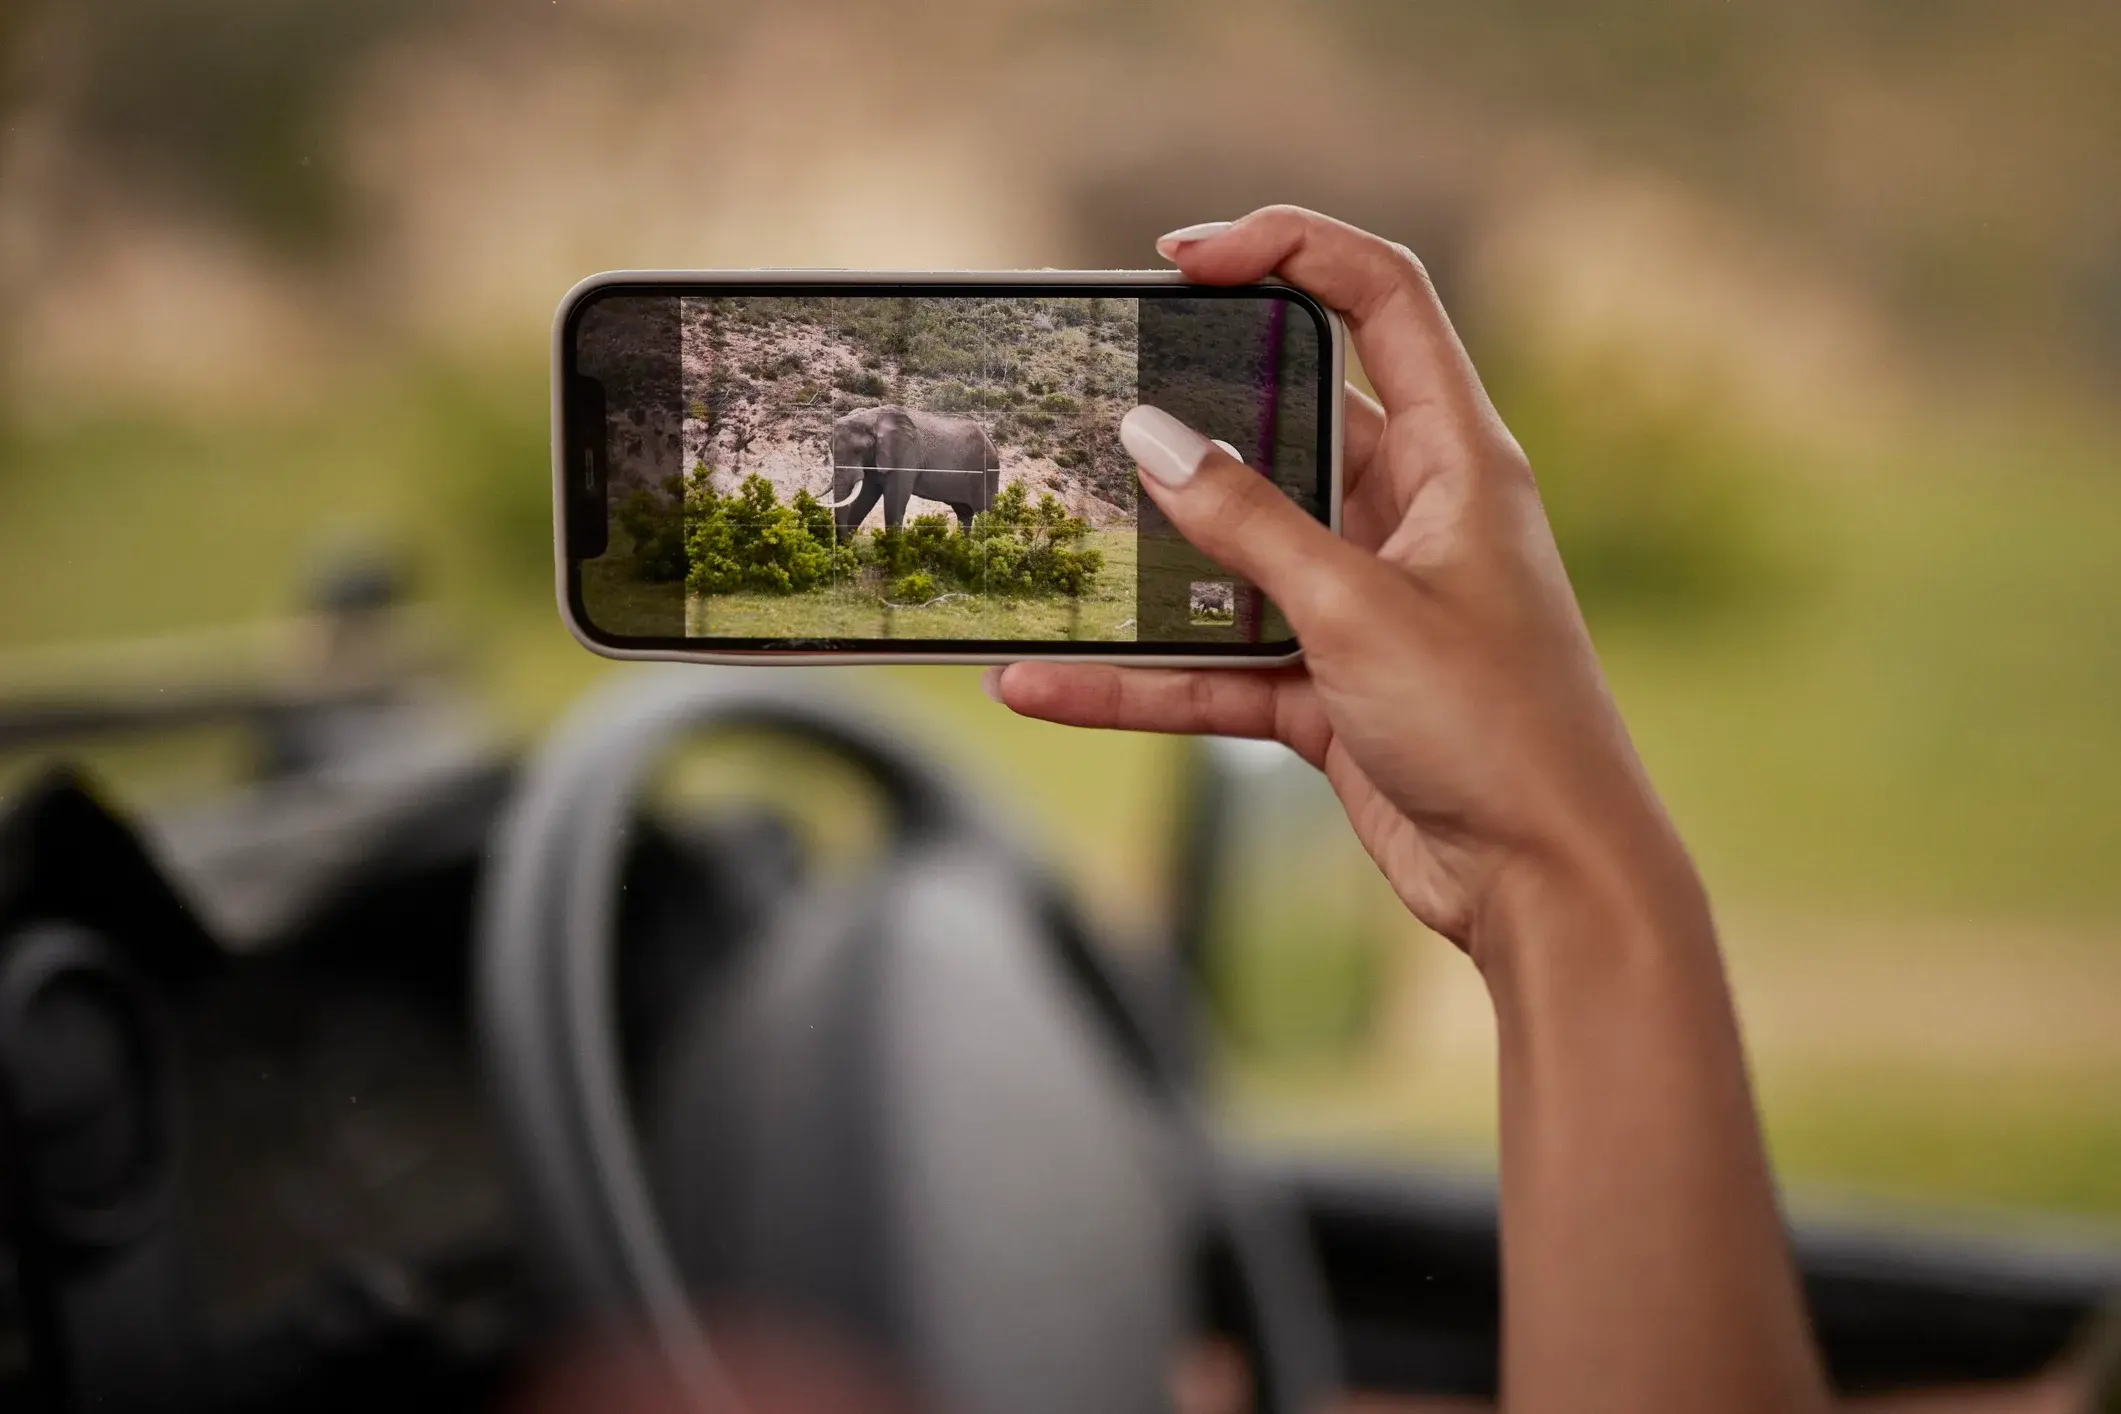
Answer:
(656, 529)
(749, 540)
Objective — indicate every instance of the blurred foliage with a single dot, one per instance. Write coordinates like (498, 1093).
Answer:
(232, 101)
(1300, 926)
(1957, 155)
(15, 22)
(1989, 1136)
(484, 433)
(1657, 507)
(1285, 988)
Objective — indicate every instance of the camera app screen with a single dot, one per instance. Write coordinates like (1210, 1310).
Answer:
(907, 469)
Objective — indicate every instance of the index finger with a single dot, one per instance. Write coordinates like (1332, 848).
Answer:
(1270, 704)
(1380, 289)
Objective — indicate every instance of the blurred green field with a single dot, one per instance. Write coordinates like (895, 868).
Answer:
(1880, 695)
(1923, 1059)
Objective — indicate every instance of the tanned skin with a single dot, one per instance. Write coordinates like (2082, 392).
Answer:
(1450, 694)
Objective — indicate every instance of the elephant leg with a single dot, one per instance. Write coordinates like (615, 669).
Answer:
(898, 490)
(965, 512)
(858, 510)
(899, 452)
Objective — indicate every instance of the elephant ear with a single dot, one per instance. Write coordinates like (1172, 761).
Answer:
(898, 438)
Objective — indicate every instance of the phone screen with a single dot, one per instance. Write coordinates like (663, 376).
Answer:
(881, 469)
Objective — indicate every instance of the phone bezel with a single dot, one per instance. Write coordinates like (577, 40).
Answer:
(940, 283)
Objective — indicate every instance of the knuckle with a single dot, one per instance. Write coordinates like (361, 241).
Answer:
(1281, 213)
(1411, 266)
(1403, 270)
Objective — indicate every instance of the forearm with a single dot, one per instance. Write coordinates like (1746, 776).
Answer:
(1645, 1267)
(1452, 695)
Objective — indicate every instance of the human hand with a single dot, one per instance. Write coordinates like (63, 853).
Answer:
(1448, 687)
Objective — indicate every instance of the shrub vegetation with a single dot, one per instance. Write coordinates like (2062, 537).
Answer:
(747, 540)
(1017, 548)
(652, 524)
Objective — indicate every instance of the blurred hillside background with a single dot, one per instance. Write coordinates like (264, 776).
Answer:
(1809, 315)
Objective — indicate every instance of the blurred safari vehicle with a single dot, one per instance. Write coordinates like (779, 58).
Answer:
(725, 1050)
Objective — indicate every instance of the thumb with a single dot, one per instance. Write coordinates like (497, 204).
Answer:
(1234, 515)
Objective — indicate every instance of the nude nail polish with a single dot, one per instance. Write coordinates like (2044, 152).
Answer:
(1167, 244)
(1161, 445)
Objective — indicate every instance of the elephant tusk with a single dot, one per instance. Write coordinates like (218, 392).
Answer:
(846, 500)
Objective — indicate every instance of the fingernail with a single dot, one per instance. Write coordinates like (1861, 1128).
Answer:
(1161, 445)
(1167, 244)
(990, 681)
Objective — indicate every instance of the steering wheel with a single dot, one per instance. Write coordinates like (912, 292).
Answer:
(920, 1103)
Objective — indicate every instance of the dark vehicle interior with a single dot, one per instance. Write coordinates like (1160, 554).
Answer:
(377, 1081)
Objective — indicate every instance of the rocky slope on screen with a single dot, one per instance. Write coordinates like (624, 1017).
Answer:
(1050, 378)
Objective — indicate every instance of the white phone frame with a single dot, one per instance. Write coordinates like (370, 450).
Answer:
(1336, 378)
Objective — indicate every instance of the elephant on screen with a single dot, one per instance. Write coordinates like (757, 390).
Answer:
(896, 454)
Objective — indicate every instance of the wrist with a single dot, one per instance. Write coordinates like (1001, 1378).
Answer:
(1626, 890)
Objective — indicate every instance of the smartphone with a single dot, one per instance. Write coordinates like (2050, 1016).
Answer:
(797, 466)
